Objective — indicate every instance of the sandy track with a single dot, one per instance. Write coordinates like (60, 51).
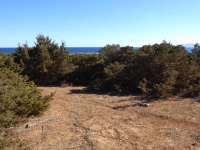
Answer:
(82, 121)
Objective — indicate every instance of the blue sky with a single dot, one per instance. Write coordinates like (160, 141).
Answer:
(99, 22)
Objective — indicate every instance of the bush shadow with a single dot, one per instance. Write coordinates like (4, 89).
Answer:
(97, 92)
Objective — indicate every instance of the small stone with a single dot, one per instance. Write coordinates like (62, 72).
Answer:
(194, 144)
(26, 126)
(143, 104)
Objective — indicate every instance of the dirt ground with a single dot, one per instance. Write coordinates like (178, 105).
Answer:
(83, 121)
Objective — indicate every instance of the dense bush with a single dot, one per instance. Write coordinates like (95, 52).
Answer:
(114, 60)
(8, 63)
(158, 70)
(171, 70)
(162, 70)
(45, 63)
(87, 68)
(18, 99)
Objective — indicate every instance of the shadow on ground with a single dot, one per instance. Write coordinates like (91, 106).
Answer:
(92, 91)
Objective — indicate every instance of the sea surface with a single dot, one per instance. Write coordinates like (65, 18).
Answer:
(72, 50)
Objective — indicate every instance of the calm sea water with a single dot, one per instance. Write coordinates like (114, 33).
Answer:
(72, 50)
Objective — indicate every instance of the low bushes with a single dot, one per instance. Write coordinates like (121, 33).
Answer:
(19, 98)
(87, 67)
(46, 63)
(158, 70)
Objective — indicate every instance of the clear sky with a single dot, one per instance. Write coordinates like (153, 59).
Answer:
(99, 22)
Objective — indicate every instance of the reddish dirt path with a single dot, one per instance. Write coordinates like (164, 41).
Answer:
(82, 121)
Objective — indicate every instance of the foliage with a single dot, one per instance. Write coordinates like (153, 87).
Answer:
(8, 63)
(158, 70)
(45, 63)
(18, 99)
(114, 60)
(87, 68)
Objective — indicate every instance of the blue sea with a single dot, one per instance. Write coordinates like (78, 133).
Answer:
(72, 50)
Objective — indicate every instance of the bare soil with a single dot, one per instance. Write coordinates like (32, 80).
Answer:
(84, 121)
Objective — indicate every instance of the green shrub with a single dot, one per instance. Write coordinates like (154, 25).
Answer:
(18, 98)
(45, 63)
(115, 60)
(159, 70)
(88, 67)
(8, 63)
